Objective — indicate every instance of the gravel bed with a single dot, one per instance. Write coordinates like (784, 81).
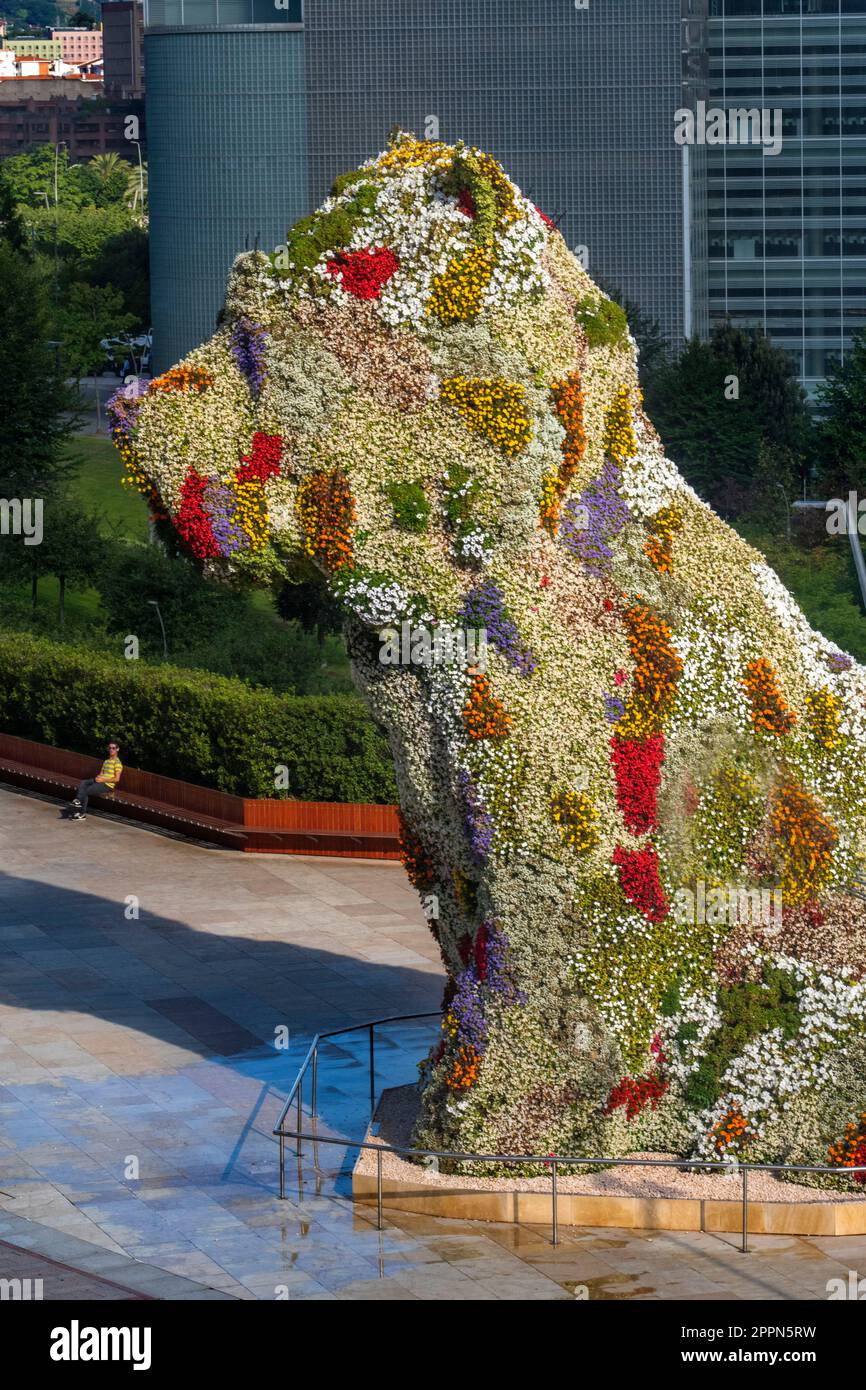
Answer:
(395, 1118)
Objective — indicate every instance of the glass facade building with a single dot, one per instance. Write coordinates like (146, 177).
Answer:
(577, 103)
(227, 151)
(787, 232)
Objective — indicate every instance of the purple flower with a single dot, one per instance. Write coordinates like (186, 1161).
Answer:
(614, 708)
(840, 661)
(467, 1009)
(485, 608)
(595, 518)
(477, 819)
(122, 408)
(220, 503)
(497, 974)
(248, 343)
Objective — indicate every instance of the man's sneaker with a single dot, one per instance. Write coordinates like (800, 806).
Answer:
(78, 815)
(75, 801)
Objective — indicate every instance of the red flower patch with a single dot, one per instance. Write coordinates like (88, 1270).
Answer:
(548, 221)
(264, 461)
(637, 766)
(635, 1092)
(363, 273)
(192, 522)
(639, 877)
(466, 204)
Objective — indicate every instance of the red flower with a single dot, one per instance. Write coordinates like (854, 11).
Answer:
(466, 204)
(545, 580)
(619, 677)
(637, 766)
(264, 461)
(639, 878)
(548, 221)
(608, 605)
(363, 273)
(634, 1093)
(192, 522)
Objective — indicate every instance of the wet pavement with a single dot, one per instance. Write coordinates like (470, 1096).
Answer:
(156, 999)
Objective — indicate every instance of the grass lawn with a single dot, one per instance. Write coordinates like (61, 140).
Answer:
(98, 486)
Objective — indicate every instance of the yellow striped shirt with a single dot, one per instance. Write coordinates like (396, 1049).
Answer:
(111, 770)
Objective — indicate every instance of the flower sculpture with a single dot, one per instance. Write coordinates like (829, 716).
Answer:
(423, 396)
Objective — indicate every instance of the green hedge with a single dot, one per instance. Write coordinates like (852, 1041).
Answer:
(207, 729)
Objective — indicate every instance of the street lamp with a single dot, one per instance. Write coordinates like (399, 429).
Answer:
(153, 603)
(137, 144)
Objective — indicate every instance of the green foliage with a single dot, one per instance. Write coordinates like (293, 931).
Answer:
(69, 549)
(823, 582)
(89, 313)
(123, 263)
(34, 400)
(461, 494)
(77, 232)
(209, 626)
(465, 174)
(309, 602)
(748, 1009)
(199, 727)
(714, 427)
(411, 508)
(647, 332)
(841, 401)
(604, 322)
(12, 230)
(309, 238)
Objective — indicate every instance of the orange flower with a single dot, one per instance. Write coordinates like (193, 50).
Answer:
(326, 510)
(568, 402)
(483, 715)
(181, 379)
(770, 711)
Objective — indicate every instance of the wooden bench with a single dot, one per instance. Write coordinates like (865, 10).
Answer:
(288, 827)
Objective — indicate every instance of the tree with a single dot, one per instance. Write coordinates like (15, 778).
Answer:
(841, 401)
(718, 402)
(123, 263)
(309, 602)
(12, 230)
(88, 314)
(36, 407)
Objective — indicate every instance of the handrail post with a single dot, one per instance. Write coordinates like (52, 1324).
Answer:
(300, 1110)
(372, 1074)
(282, 1166)
(555, 1205)
(745, 1245)
(315, 1075)
(378, 1189)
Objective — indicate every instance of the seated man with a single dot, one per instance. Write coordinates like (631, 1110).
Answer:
(106, 781)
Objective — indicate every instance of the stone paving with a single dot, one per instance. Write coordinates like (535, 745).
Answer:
(141, 1074)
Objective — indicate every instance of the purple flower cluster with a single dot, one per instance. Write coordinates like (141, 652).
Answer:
(614, 708)
(220, 503)
(840, 661)
(497, 973)
(594, 519)
(122, 409)
(477, 819)
(485, 608)
(487, 974)
(467, 1010)
(248, 342)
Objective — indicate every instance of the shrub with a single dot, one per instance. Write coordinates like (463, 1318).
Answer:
(206, 729)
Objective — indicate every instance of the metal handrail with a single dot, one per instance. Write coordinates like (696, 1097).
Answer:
(552, 1161)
